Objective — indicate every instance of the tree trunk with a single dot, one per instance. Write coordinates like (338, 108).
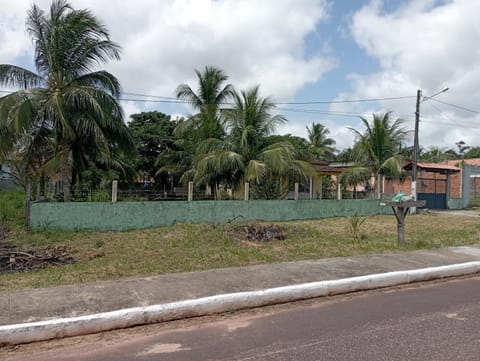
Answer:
(66, 172)
(28, 202)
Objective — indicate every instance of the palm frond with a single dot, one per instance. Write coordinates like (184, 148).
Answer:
(99, 80)
(184, 92)
(256, 171)
(15, 76)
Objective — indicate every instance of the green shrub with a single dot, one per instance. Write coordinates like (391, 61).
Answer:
(354, 225)
(12, 205)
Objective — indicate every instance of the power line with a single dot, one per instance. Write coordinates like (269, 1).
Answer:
(149, 96)
(173, 100)
(297, 103)
(319, 111)
(178, 101)
(346, 101)
(457, 106)
(451, 122)
(165, 99)
(441, 113)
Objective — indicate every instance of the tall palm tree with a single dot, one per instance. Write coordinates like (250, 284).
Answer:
(207, 99)
(67, 96)
(250, 121)
(377, 148)
(241, 157)
(321, 146)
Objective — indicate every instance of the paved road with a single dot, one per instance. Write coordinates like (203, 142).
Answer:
(438, 322)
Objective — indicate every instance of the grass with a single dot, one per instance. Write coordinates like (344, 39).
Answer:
(186, 247)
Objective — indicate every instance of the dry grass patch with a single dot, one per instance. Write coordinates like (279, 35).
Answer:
(185, 247)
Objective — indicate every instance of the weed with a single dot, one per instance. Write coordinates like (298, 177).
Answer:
(4, 228)
(355, 223)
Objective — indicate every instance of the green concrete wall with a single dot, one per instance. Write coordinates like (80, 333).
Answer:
(455, 203)
(135, 215)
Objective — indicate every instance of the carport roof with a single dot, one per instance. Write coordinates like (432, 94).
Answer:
(434, 167)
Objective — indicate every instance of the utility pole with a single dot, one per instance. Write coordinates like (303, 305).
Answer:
(415, 145)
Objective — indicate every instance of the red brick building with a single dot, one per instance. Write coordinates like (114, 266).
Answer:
(437, 183)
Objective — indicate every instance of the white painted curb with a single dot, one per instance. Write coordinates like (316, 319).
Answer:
(74, 326)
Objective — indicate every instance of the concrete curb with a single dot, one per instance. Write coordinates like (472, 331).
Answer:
(74, 326)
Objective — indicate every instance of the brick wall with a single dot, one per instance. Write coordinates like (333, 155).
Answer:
(426, 184)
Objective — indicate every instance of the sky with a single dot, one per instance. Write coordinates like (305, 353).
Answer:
(299, 51)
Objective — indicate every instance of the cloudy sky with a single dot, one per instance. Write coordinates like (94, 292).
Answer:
(299, 51)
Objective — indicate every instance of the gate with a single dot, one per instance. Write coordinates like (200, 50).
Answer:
(433, 191)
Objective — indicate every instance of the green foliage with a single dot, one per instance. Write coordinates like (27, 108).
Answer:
(243, 156)
(153, 135)
(300, 144)
(437, 155)
(207, 99)
(346, 156)
(355, 223)
(321, 146)
(270, 188)
(378, 147)
(95, 185)
(12, 207)
(4, 228)
(100, 196)
(354, 176)
(473, 152)
(67, 115)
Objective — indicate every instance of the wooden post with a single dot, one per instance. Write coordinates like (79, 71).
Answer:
(311, 188)
(247, 191)
(114, 190)
(400, 213)
(320, 191)
(190, 191)
(400, 210)
(296, 191)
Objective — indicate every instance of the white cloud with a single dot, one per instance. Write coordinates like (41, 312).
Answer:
(254, 42)
(424, 45)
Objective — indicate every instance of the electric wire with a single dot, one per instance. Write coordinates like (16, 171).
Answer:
(173, 100)
(457, 106)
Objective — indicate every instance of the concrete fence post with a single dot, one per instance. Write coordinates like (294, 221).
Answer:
(114, 190)
(311, 188)
(296, 191)
(247, 191)
(190, 191)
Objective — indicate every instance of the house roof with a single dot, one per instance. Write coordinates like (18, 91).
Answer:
(324, 168)
(434, 167)
(469, 161)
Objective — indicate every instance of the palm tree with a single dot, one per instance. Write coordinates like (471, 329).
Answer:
(437, 155)
(67, 96)
(241, 157)
(250, 121)
(208, 98)
(321, 146)
(378, 147)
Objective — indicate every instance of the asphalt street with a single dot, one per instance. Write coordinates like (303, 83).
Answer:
(439, 321)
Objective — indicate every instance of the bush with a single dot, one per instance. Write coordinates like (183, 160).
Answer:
(354, 225)
(12, 205)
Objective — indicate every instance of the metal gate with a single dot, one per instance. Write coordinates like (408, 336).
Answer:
(433, 191)
(471, 186)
